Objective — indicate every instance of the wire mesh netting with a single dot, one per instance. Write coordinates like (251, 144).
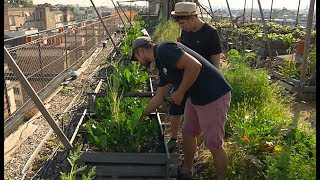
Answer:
(45, 56)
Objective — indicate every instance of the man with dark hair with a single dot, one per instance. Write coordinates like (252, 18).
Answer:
(209, 96)
(203, 39)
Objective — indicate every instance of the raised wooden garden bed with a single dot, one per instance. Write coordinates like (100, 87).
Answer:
(129, 165)
(261, 48)
(293, 85)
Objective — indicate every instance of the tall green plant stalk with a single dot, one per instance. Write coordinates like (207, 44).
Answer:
(73, 157)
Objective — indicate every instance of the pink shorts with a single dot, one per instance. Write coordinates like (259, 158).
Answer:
(209, 118)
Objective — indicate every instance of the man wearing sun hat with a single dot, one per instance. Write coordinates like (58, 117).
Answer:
(200, 37)
(208, 93)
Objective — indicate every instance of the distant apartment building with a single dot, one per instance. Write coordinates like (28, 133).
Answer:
(17, 17)
(40, 17)
(88, 13)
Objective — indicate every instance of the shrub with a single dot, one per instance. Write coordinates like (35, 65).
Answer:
(166, 31)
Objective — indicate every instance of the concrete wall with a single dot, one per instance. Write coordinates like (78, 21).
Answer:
(6, 18)
(50, 18)
(18, 16)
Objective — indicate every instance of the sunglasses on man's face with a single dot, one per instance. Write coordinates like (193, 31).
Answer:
(177, 18)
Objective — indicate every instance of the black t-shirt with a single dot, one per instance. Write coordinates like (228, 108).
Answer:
(210, 84)
(206, 41)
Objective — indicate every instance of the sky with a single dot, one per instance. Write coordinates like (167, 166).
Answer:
(234, 4)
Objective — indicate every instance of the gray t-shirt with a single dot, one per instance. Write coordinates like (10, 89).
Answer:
(210, 84)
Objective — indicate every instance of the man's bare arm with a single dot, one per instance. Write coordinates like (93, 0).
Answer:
(215, 60)
(191, 69)
(157, 100)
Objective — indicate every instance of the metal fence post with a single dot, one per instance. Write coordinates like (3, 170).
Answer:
(76, 42)
(65, 47)
(118, 13)
(113, 43)
(40, 61)
(124, 14)
(35, 98)
(7, 97)
(86, 38)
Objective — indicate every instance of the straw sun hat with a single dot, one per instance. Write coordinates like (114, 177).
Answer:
(184, 9)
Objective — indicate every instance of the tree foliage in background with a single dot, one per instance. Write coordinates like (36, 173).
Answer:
(24, 3)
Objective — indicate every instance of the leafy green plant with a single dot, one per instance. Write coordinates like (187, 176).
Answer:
(127, 133)
(297, 158)
(252, 93)
(285, 39)
(73, 157)
(278, 29)
(132, 76)
(223, 24)
(166, 31)
(289, 68)
(311, 66)
(132, 34)
(235, 57)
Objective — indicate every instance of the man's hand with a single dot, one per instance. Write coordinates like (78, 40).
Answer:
(143, 114)
(177, 97)
(179, 39)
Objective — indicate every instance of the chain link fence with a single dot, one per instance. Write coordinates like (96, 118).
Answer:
(47, 57)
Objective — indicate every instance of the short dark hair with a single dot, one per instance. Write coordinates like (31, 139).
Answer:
(147, 45)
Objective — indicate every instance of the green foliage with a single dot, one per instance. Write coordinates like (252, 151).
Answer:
(265, 145)
(223, 24)
(312, 66)
(24, 3)
(242, 165)
(72, 159)
(278, 29)
(250, 86)
(289, 68)
(234, 57)
(166, 31)
(278, 34)
(297, 158)
(132, 34)
(132, 76)
(285, 39)
(126, 133)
